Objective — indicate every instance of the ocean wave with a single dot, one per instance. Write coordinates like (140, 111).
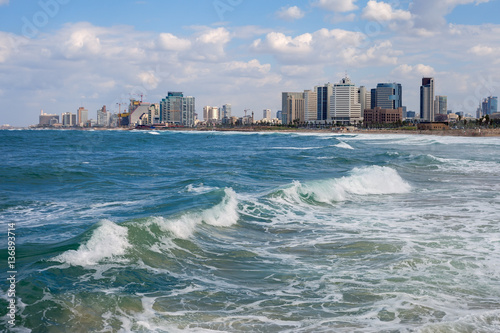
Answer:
(374, 180)
(343, 145)
(109, 240)
(223, 214)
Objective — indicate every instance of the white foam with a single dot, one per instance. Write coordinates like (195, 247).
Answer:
(224, 214)
(154, 133)
(343, 145)
(108, 240)
(362, 181)
(200, 188)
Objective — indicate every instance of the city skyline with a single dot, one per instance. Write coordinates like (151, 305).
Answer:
(60, 55)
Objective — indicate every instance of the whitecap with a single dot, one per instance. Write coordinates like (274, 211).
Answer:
(107, 241)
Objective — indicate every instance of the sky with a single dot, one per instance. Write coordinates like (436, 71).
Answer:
(59, 55)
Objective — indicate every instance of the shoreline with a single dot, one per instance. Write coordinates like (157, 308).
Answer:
(483, 132)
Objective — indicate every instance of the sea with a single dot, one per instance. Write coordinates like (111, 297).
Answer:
(179, 231)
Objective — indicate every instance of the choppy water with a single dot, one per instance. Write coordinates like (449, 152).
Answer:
(234, 232)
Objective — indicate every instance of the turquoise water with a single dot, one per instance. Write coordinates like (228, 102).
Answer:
(137, 231)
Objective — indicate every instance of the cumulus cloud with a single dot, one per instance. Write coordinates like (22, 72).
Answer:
(414, 71)
(336, 5)
(290, 13)
(430, 14)
(484, 50)
(381, 11)
(170, 42)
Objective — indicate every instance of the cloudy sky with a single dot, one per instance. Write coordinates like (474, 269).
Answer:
(58, 55)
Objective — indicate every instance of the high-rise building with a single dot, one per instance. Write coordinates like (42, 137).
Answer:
(387, 96)
(226, 111)
(365, 99)
(177, 109)
(83, 116)
(279, 115)
(211, 113)
(293, 107)
(427, 99)
(490, 105)
(103, 117)
(440, 105)
(345, 107)
(310, 105)
(68, 119)
(154, 114)
(266, 114)
(323, 95)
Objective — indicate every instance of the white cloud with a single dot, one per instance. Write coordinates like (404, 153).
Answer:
(4, 2)
(215, 36)
(290, 13)
(419, 70)
(173, 43)
(381, 11)
(430, 14)
(280, 43)
(336, 5)
(483, 50)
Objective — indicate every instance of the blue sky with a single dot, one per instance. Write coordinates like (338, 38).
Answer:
(58, 55)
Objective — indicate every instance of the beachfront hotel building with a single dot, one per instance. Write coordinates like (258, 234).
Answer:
(345, 107)
(427, 99)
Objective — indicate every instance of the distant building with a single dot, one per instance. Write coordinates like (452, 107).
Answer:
(279, 115)
(69, 119)
(388, 96)
(410, 114)
(83, 116)
(440, 106)
(439, 126)
(103, 117)
(47, 119)
(293, 107)
(345, 107)
(154, 114)
(364, 99)
(138, 112)
(210, 114)
(383, 116)
(489, 106)
(323, 95)
(177, 110)
(310, 105)
(266, 114)
(427, 99)
(226, 113)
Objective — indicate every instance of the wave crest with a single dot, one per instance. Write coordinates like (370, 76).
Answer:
(107, 241)
(374, 180)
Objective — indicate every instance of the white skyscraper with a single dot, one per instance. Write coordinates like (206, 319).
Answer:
(266, 114)
(345, 107)
(311, 105)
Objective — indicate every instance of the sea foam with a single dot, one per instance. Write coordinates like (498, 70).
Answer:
(107, 241)
(374, 180)
(223, 214)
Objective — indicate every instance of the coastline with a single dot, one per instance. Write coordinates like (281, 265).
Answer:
(483, 132)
